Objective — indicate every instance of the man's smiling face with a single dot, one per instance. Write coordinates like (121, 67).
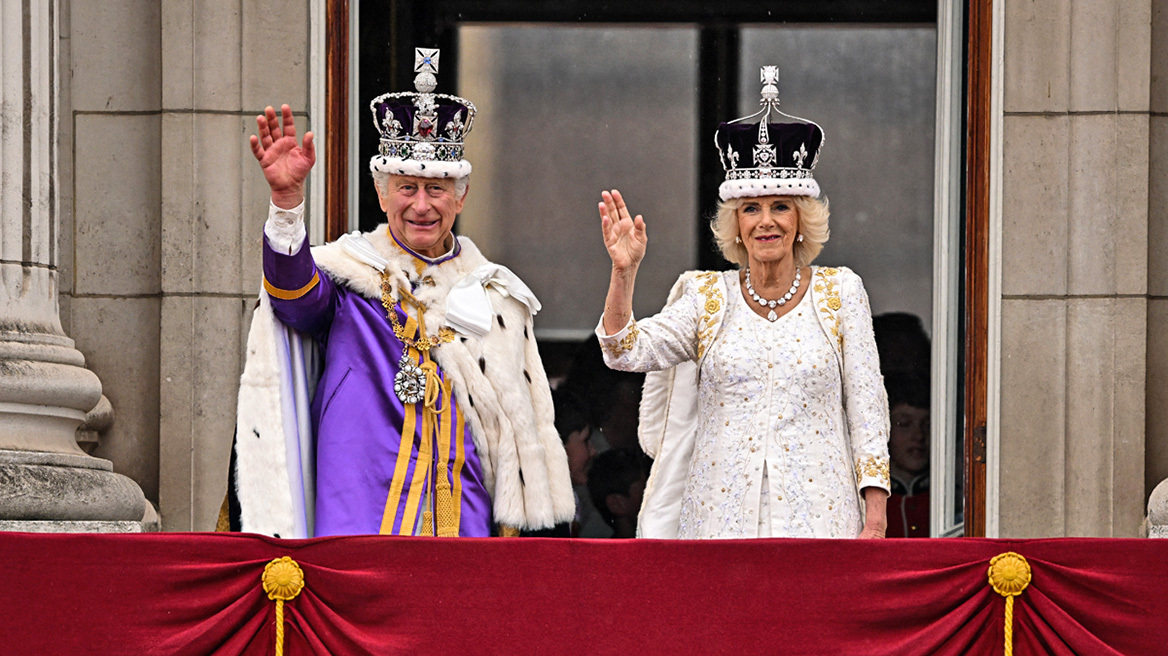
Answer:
(421, 211)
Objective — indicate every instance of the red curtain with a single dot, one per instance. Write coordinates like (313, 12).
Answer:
(201, 594)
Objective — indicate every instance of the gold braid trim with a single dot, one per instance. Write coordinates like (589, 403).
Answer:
(283, 580)
(223, 523)
(872, 467)
(1009, 575)
(447, 505)
(707, 324)
(291, 295)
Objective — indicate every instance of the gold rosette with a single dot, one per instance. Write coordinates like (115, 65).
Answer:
(283, 580)
(1009, 575)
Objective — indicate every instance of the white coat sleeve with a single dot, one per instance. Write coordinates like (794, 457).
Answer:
(865, 399)
(659, 342)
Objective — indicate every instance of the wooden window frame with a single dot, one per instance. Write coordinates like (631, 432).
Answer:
(975, 256)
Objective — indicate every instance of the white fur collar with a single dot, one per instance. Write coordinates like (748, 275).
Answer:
(432, 282)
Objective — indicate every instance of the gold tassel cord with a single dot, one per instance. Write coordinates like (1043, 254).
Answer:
(283, 580)
(435, 412)
(1009, 575)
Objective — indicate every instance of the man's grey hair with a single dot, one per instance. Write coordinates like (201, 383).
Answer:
(382, 180)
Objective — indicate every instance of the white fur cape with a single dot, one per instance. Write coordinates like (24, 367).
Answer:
(498, 381)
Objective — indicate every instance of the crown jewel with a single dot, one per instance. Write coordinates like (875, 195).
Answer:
(782, 156)
(422, 132)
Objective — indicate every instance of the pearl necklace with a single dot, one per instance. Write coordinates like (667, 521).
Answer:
(779, 302)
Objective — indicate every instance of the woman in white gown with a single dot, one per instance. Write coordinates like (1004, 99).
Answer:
(769, 416)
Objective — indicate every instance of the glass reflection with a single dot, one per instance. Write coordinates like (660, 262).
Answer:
(564, 112)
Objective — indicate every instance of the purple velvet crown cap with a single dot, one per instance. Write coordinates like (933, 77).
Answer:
(404, 112)
(787, 138)
(782, 166)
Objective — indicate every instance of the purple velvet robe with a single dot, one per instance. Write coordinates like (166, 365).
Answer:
(371, 476)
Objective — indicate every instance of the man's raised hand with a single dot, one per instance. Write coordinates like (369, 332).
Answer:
(285, 162)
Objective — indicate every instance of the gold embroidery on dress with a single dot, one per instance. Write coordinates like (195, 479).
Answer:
(707, 324)
(825, 287)
(872, 467)
(625, 344)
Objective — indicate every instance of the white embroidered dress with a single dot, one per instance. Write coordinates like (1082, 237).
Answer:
(792, 415)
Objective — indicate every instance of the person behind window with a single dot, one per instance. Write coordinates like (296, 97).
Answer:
(774, 418)
(575, 429)
(902, 343)
(612, 397)
(573, 423)
(616, 483)
(908, 449)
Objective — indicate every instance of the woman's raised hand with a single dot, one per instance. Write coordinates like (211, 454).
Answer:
(285, 162)
(624, 237)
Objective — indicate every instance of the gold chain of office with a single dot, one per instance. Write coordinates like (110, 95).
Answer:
(423, 342)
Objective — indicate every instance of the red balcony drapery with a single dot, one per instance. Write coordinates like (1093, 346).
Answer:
(201, 594)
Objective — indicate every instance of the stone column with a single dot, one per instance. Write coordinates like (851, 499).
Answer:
(1156, 468)
(1075, 261)
(47, 483)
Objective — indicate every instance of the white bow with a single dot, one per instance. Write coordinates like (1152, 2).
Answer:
(359, 248)
(468, 308)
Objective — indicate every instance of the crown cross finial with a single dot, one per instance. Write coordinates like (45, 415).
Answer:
(426, 67)
(426, 60)
(770, 85)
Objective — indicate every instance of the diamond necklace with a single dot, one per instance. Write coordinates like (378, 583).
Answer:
(771, 316)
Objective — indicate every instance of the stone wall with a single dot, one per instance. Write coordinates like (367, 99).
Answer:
(1156, 469)
(111, 139)
(222, 63)
(1075, 246)
(164, 236)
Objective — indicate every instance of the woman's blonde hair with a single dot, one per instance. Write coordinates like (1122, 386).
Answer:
(812, 224)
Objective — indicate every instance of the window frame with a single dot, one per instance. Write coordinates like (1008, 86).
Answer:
(962, 245)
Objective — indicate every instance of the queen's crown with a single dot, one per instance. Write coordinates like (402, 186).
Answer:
(768, 158)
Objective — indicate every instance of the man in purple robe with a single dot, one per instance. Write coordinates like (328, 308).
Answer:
(432, 414)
